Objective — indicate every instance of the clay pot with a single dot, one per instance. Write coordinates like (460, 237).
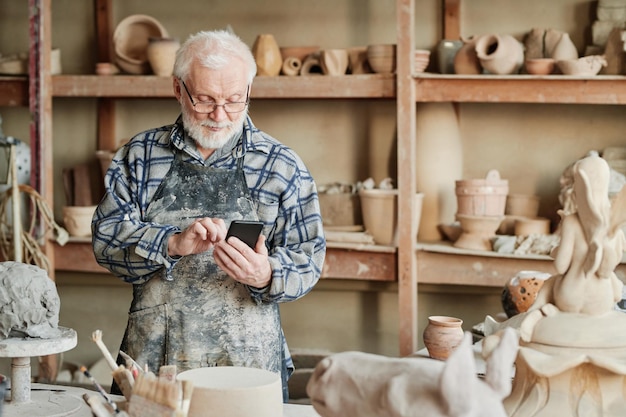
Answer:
(77, 220)
(161, 54)
(540, 66)
(442, 335)
(522, 205)
(382, 58)
(380, 214)
(500, 54)
(520, 292)
(267, 55)
(334, 61)
(482, 197)
(466, 61)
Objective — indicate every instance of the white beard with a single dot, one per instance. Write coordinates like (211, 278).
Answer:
(212, 140)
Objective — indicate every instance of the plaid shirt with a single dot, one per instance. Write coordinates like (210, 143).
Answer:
(285, 193)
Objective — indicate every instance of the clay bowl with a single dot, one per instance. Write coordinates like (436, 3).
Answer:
(421, 59)
(77, 220)
(585, 66)
(382, 58)
(130, 42)
(540, 66)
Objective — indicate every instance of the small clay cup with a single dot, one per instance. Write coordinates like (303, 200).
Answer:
(442, 335)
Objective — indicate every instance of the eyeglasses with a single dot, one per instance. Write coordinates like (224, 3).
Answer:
(207, 107)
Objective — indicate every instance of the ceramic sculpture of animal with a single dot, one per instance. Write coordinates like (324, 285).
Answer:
(357, 384)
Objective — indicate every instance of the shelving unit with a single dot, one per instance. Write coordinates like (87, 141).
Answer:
(411, 262)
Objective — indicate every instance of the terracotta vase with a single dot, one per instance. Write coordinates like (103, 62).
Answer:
(267, 55)
(442, 335)
(466, 61)
(500, 54)
(161, 55)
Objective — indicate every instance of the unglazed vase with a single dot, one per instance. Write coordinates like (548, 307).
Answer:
(564, 49)
(466, 61)
(161, 55)
(334, 61)
(442, 335)
(438, 163)
(500, 54)
(267, 55)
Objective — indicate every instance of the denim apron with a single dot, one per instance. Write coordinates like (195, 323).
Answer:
(200, 316)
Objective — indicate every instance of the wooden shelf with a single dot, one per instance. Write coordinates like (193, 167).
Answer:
(441, 263)
(13, 91)
(371, 263)
(562, 89)
(281, 87)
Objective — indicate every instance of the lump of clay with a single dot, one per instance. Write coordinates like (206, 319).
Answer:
(29, 302)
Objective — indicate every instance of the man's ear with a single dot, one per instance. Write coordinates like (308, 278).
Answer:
(177, 89)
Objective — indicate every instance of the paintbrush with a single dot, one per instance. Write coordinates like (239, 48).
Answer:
(99, 388)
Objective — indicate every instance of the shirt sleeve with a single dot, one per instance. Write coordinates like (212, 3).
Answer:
(132, 249)
(288, 200)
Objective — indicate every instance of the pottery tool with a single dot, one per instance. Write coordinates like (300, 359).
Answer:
(155, 397)
(99, 388)
(97, 337)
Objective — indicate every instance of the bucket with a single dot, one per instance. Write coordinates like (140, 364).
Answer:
(380, 214)
(234, 391)
(482, 197)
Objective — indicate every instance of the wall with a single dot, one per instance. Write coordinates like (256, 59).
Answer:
(529, 144)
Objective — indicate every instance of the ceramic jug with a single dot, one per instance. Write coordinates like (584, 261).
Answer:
(500, 54)
(267, 55)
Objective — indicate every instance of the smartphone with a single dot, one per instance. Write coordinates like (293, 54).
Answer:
(248, 231)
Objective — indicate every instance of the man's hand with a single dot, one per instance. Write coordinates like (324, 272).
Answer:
(198, 237)
(243, 264)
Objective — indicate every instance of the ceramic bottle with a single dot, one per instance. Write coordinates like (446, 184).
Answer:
(442, 335)
(267, 55)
